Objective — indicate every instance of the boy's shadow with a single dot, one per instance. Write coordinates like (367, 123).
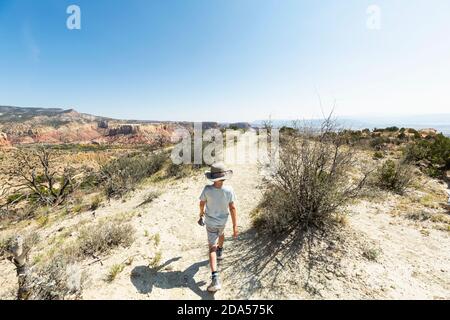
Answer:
(145, 278)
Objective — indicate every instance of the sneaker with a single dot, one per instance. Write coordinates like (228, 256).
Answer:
(215, 285)
(219, 253)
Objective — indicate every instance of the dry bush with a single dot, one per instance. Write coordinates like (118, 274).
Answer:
(8, 215)
(38, 176)
(150, 197)
(178, 171)
(58, 277)
(56, 280)
(96, 202)
(123, 174)
(311, 182)
(394, 176)
(29, 241)
(100, 238)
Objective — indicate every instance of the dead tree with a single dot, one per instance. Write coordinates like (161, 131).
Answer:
(19, 253)
(36, 172)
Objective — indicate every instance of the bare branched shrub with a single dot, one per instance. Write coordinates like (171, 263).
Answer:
(38, 176)
(310, 183)
(394, 176)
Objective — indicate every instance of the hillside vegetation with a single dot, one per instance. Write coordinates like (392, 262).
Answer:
(345, 215)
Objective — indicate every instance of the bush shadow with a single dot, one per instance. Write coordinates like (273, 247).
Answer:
(265, 260)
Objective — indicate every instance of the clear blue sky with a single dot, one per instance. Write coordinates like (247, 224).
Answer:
(226, 60)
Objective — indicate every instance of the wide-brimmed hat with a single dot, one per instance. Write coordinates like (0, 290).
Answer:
(218, 172)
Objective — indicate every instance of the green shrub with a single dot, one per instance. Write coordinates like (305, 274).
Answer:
(178, 171)
(155, 262)
(392, 129)
(371, 254)
(123, 174)
(394, 176)
(95, 203)
(378, 142)
(378, 155)
(15, 198)
(114, 271)
(434, 153)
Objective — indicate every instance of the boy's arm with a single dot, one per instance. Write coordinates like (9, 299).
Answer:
(233, 213)
(202, 208)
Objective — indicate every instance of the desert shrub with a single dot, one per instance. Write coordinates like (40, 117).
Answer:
(91, 180)
(56, 280)
(289, 131)
(4, 245)
(29, 241)
(18, 214)
(178, 171)
(123, 174)
(309, 184)
(402, 136)
(378, 155)
(150, 197)
(114, 271)
(392, 129)
(434, 153)
(378, 142)
(155, 262)
(101, 238)
(415, 133)
(394, 176)
(96, 202)
(371, 254)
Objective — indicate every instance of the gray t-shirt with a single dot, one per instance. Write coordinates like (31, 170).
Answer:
(217, 202)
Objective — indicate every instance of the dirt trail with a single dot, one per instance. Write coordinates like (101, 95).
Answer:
(183, 245)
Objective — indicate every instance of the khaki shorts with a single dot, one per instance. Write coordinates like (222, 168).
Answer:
(214, 234)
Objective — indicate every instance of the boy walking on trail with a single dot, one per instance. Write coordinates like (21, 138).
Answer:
(217, 202)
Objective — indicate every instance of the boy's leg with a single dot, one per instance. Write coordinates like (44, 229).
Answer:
(221, 240)
(219, 252)
(213, 258)
(213, 237)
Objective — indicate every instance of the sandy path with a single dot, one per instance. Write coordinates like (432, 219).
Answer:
(183, 245)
